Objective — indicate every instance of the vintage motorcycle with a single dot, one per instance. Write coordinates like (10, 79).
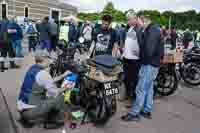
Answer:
(98, 80)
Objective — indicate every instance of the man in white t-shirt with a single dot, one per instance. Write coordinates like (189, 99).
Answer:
(131, 56)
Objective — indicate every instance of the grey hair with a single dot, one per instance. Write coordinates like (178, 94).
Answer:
(41, 55)
(131, 14)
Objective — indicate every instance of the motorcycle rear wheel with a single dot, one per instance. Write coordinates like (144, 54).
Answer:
(166, 83)
(191, 74)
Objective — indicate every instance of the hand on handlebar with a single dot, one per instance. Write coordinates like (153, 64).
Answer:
(66, 73)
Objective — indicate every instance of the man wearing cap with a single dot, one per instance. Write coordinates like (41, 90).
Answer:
(39, 95)
(152, 49)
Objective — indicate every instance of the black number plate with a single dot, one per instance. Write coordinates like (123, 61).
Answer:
(110, 90)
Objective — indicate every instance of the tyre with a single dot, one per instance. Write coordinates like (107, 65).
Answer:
(191, 74)
(166, 83)
(102, 112)
(99, 108)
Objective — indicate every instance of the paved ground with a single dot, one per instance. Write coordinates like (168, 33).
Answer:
(179, 113)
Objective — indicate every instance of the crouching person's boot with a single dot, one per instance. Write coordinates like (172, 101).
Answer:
(24, 122)
(54, 120)
(13, 65)
(2, 67)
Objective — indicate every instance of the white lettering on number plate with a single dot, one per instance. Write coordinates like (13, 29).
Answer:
(107, 86)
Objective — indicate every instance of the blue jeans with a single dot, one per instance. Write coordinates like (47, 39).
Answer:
(45, 44)
(144, 89)
(17, 47)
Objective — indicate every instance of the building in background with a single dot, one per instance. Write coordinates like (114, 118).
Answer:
(36, 9)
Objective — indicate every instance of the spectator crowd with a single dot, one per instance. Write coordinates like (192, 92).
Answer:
(139, 44)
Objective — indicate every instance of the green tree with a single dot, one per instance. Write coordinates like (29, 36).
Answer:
(181, 20)
(109, 9)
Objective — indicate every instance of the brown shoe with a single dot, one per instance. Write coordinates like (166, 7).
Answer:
(13, 65)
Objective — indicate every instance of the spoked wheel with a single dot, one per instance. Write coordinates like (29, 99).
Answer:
(166, 83)
(98, 107)
(191, 74)
(104, 109)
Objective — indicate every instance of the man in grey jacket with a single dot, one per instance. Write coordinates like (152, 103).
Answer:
(54, 34)
(151, 52)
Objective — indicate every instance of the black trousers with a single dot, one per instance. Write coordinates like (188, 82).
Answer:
(131, 69)
(32, 43)
(54, 40)
(6, 49)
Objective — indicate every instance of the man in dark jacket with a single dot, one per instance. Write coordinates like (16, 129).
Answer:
(151, 52)
(15, 34)
(174, 36)
(73, 34)
(187, 38)
(6, 46)
(44, 30)
(54, 34)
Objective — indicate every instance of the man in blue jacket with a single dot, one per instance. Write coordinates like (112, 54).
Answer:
(152, 49)
(32, 36)
(73, 34)
(15, 35)
(6, 46)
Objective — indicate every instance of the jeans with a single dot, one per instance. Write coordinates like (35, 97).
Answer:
(45, 44)
(16, 44)
(144, 89)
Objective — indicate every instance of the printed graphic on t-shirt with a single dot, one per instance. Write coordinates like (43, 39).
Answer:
(102, 42)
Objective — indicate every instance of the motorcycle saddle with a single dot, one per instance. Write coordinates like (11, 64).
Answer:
(106, 61)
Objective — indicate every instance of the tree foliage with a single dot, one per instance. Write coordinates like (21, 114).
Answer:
(182, 20)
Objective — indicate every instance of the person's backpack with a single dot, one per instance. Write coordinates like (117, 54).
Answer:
(31, 29)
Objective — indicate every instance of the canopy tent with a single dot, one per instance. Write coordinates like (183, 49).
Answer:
(71, 18)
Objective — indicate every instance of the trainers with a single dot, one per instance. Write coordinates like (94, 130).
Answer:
(130, 117)
(146, 115)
